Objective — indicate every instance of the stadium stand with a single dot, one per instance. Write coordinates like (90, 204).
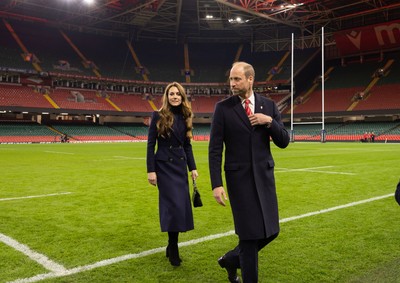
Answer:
(11, 55)
(205, 104)
(349, 131)
(22, 96)
(52, 51)
(341, 92)
(98, 75)
(201, 132)
(211, 62)
(139, 131)
(109, 54)
(382, 97)
(80, 99)
(131, 102)
(162, 64)
(91, 132)
(26, 132)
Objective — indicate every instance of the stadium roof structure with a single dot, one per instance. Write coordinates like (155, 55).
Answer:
(199, 20)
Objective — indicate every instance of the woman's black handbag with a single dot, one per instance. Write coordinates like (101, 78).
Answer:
(196, 196)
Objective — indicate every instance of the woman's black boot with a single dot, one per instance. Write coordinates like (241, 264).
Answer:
(172, 251)
(173, 255)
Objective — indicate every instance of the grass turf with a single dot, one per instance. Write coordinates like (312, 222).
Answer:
(110, 211)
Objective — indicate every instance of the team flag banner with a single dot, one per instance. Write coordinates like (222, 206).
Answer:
(369, 38)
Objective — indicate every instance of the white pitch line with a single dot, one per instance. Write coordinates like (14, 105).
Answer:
(127, 157)
(114, 260)
(120, 158)
(37, 196)
(319, 171)
(312, 169)
(309, 168)
(334, 208)
(37, 257)
(58, 152)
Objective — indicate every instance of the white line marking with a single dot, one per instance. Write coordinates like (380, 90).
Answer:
(334, 208)
(37, 196)
(312, 169)
(127, 157)
(309, 168)
(120, 158)
(37, 257)
(114, 260)
(317, 171)
(58, 152)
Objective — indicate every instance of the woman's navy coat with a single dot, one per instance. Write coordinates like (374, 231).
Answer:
(173, 158)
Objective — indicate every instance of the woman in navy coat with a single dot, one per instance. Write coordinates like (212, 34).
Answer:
(167, 167)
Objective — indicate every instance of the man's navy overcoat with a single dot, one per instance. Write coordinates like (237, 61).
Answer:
(249, 166)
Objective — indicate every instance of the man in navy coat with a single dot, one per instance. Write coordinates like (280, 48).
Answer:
(249, 169)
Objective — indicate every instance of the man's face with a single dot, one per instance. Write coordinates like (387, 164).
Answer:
(240, 85)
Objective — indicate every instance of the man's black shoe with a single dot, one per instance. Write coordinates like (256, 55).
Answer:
(232, 273)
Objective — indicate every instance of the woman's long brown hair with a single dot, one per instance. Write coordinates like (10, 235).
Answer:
(164, 124)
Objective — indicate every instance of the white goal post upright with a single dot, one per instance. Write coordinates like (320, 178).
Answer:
(323, 132)
(291, 91)
(292, 123)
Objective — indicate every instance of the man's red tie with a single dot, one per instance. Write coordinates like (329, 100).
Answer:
(247, 107)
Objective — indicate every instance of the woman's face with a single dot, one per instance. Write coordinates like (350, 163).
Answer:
(174, 97)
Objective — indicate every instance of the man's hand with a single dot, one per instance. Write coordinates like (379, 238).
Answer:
(152, 178)
(220, 195)
(260, 119)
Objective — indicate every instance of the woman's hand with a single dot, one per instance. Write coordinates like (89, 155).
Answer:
(194, 175)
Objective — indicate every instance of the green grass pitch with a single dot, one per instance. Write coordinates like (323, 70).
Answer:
(85, 213)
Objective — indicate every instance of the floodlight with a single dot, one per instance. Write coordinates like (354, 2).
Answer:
(88, 2)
